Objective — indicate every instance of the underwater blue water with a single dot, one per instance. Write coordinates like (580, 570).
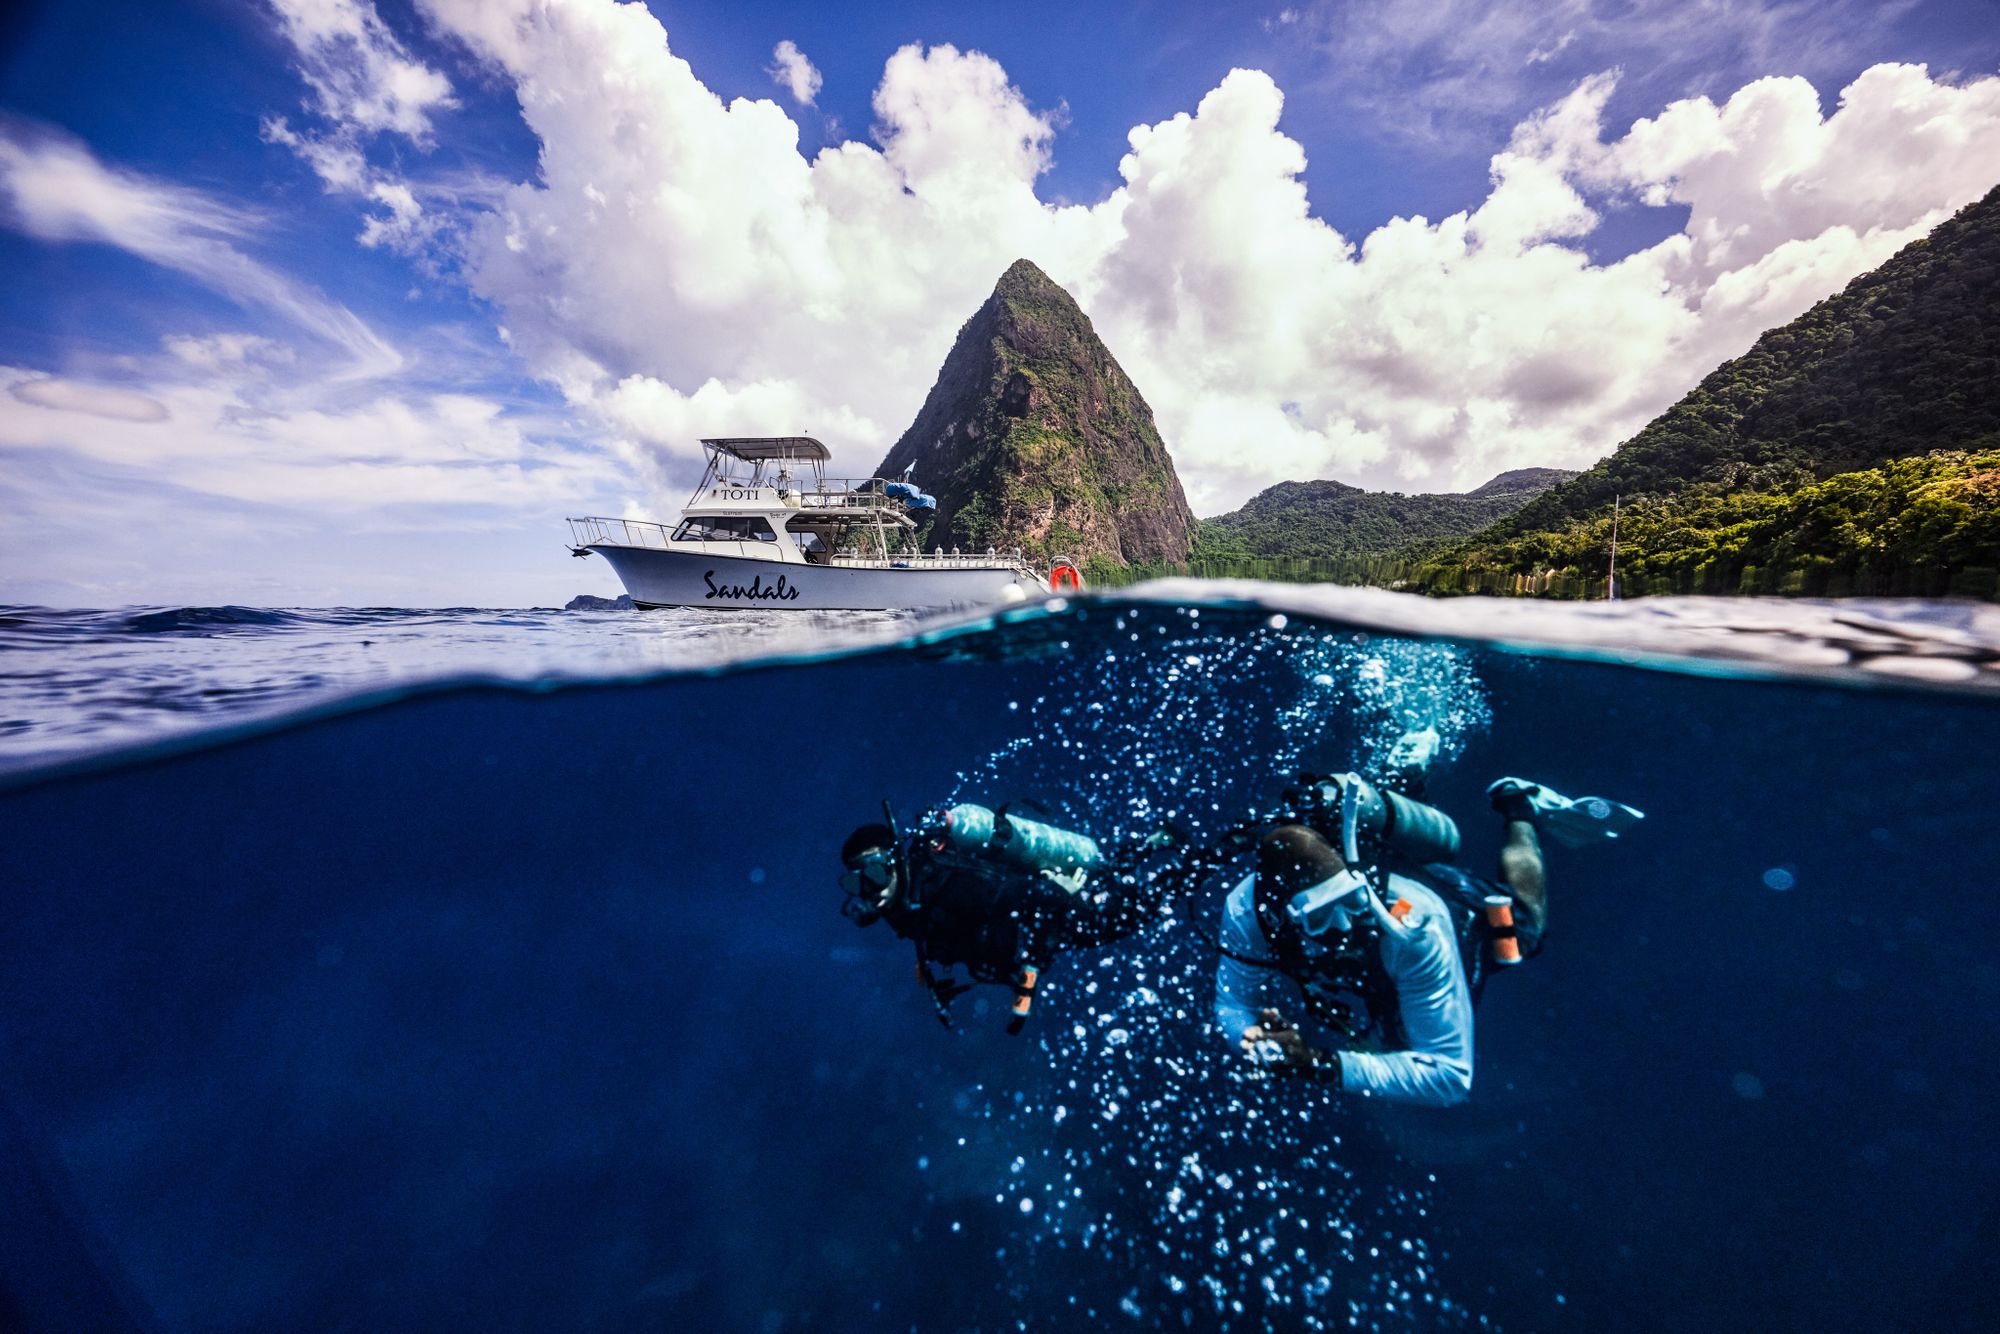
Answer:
(505, 1006)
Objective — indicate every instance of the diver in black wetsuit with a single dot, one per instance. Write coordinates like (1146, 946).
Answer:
(1002, 897)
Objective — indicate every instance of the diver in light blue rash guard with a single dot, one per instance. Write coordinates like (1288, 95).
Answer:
(1386, 958)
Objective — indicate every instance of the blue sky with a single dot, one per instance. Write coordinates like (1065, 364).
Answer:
(332, 302)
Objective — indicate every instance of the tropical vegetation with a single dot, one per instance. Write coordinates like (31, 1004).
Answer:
(1850, 451)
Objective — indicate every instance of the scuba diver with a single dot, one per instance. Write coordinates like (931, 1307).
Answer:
(1356, 909)
(1002, 896)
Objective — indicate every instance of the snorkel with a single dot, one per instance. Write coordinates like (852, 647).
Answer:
(1355, 793)
(1408, 827)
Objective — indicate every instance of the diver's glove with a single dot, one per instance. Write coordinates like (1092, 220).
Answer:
(1070, 881)
(1574, 824)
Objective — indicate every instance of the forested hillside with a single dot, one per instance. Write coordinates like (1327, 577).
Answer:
(1327, 520)
(1852, 450)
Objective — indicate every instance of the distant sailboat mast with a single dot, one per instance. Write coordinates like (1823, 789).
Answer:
(1611, 575)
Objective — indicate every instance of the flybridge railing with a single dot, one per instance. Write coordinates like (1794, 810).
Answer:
(621, 532)
(847, 495)
(826, 493)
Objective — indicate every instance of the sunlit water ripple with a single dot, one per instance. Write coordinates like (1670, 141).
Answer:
(86, 680)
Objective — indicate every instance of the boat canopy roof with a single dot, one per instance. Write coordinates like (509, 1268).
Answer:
(754, 449)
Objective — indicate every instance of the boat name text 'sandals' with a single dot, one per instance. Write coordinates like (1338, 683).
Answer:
(781, 591)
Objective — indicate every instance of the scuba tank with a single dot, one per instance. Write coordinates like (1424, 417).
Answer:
(1346, 807)
(978, 834)
(1411, 829)
(979, 839)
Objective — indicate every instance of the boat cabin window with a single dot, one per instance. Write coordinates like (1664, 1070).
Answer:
(724, 528)
(815, 540)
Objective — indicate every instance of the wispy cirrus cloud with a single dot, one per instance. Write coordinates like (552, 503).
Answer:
(328, 419)
(216, 435)
(55, 189)
(364, 84)
(1455, 72)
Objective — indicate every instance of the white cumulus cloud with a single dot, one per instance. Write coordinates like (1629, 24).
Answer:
(793, 72)
(684, 240)
(364, 84)
(359, 73)
(678, 266)
(224, 350)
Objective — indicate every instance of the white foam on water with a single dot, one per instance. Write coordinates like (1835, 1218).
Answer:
(1856, 640)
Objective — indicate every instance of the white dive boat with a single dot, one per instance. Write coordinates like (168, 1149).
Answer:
(757, 533)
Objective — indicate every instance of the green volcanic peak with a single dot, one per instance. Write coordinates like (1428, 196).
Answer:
(1034, 437)
(1856, 449)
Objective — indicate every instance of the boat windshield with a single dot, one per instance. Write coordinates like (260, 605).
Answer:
(725, 528)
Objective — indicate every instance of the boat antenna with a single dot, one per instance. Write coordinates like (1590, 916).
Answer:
(1611, 575)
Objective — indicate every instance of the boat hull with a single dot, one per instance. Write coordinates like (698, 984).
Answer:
(658, 578)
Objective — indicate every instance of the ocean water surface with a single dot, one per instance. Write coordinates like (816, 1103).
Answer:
(391, 969)
(83, 680)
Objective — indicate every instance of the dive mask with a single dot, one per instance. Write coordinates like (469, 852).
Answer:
(869, 877)
(1331, 905)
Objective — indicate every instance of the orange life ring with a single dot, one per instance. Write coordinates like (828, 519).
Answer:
(1064, 578)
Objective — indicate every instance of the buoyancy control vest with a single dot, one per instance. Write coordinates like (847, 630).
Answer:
(1398, 833)
(1345, 984)
(1379, 831)
(972, 919)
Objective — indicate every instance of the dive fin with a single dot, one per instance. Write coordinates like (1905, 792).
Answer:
(1574, 824)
